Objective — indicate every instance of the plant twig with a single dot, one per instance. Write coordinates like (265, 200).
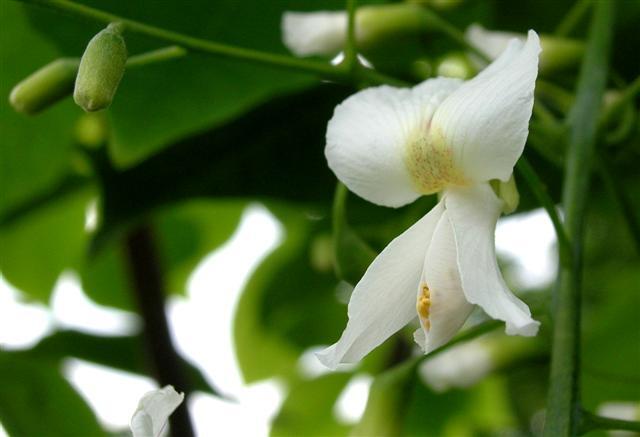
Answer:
(563, 397)
(322, 69)
(573, 17)
(592, 422)
(539, 190)
(148, 286)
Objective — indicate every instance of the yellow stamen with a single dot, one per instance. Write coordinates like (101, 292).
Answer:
(423, 305)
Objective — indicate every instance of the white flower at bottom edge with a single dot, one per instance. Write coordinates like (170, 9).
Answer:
(153, 411)
(392, 145)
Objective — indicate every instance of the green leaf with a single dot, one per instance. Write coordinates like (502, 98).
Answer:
(36, 151)
(267, 153)
(160, 104)
(36, 249)
(308, 408)
(123, 353)
(185, 234)
(36, 400)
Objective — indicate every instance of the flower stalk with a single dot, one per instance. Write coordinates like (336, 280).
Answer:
(563, 399)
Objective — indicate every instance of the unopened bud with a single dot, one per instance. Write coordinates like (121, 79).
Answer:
(455, 65)
(45, 87)
(508, 193)
(101, 68)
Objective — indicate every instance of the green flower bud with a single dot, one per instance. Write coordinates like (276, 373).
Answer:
(508, 193)
(44, 87)
(101, 68)
(455, 65)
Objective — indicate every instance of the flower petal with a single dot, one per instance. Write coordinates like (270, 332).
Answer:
(485, 121)
(314, 33)
(385, 298)
(153, 411)
(368, 135)
(473, 213)
(449, 308)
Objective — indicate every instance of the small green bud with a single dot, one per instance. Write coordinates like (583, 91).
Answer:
(508, 193)
(44, 87)
(101, 68)
(559, 53)
(455, 65)
(422, 69)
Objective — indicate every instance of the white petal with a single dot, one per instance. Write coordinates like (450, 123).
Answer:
(153, 411)
(314, 33)
(486, 120)
(473, 213)
(385, 298)
(368, 135)
(449, 308)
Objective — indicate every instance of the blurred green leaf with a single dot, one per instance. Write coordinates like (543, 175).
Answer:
(185, 233)
(160, 104)
(274, 151)
(35, 400)
(36, 151)
(36, 249)
(309, 408)
(124, 353)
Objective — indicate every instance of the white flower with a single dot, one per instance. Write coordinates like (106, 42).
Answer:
(317, 33)
(153, 411)
(461, 366)
(392, 145)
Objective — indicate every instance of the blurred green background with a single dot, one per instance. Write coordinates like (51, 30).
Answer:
(190, 143)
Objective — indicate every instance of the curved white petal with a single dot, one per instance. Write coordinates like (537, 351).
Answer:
(385, 298)
(486, 120)
(153, 411)
(449, 308)
(368, 134)
(473, 213)
(314, 33)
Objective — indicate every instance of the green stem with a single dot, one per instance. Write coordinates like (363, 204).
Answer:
(563, 397)
(468, 334)
(607, 172)
(452, 32)
(591, 422)
(627, 96)
(324, 70)
(154, 56)
(350, 47)
(573, 17)
(539, 190)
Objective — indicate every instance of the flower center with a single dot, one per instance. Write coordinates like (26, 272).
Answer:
(430, 162)
(423, 305)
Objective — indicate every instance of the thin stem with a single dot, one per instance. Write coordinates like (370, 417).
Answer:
(452, 32)
(563, 397)
(469, 334)
(591, 422)
(350, 47)
(155, 56)
(67, 186)
(627, 96)
(148, 286)
(540, 191)
(324, 70)
(573, 17)
(607, 173)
